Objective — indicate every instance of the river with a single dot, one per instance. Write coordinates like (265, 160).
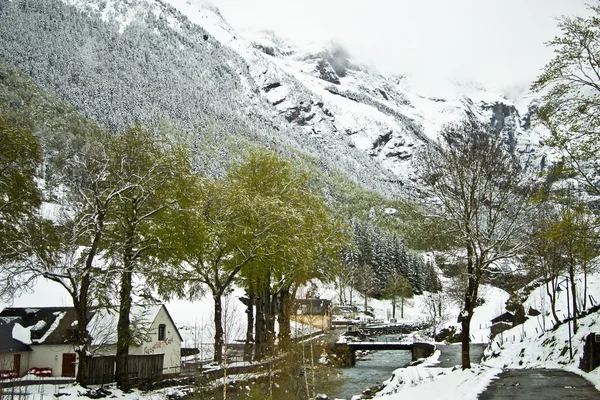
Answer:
(376, 368)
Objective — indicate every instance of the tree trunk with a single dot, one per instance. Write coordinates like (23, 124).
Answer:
(123, 329)
(402, 307)
(250, 326)
(82, 339)
(260, 338)
(467, 313)
(394, 308)
(218, 320)
(270, 322)
(585, 282)
(573, 296)
(466, 342)
(285, 311)
(551, 292)
(80, 304)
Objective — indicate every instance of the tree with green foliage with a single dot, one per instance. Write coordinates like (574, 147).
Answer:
(570, 84)
(302, 243)
(20, 198)
(151, 176)
(571, 238)
(482, 192)
(262, 226)
(397, 288)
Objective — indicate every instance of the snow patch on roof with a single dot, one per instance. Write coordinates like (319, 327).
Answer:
(21, 333)
(59, 315)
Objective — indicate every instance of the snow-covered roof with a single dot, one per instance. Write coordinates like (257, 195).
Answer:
(43, 325)
(55, 325)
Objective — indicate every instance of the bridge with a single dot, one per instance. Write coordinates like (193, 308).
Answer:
(380, 346)
(348, 349)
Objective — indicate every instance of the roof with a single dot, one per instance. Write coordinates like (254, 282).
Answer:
(55, 325)
(351, 309)
(40, 325)
(7, 343)
(312, 306)
(506, 317)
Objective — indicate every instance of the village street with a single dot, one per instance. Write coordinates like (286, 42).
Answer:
(526, 384)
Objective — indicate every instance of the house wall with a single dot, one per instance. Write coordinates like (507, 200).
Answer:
(170, 347)
(322, 322)
(7, 360)
(50, 356)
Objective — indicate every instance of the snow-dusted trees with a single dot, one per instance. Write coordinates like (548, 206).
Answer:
(117, 194)
(564, 245)
(570, 105)
(151, 176)
(65, 249)
(384, 254)
(20, 157)
(397, 288)
(482, 192)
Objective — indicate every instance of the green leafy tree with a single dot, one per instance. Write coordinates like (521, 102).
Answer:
(151, 176)
(20, 158)
(483, 194)
(218, 238)
(570, 84)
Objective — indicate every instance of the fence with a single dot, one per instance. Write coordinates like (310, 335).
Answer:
(145, 368)
(101, 370)
(140, 369)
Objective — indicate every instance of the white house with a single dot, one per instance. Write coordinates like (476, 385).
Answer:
(42, 338)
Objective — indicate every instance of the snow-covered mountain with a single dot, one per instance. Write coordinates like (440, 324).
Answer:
(119, 61)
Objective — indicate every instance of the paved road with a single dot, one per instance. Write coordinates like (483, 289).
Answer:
(452, 354)
(546, 384)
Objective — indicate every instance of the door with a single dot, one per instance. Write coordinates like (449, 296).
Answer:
(17, 364)
(68, 364)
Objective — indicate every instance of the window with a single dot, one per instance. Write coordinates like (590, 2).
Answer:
(162, 331)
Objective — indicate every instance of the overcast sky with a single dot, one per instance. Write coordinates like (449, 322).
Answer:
(498, 43)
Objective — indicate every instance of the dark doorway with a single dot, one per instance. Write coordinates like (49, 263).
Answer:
(68, 364)
(17, 364)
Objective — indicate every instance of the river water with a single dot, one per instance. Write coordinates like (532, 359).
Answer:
(376, 368)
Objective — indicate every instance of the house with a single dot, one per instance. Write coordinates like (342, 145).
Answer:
(14, 355)
(502, 323)
(505, 317)
(345, 312)
(314, 312)
(42, 338)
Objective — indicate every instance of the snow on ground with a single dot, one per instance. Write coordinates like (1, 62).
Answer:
(535, 344)
(426, 381)
(526, 346)
(414, 309)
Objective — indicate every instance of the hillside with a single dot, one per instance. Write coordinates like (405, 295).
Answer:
(119, 62)
(537, 343)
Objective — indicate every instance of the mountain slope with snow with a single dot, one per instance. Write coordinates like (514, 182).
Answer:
(120, 62)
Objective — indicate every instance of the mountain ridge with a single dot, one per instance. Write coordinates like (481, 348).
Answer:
(120, 62)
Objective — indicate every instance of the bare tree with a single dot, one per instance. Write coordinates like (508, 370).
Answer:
(434, 311)
(483, 194)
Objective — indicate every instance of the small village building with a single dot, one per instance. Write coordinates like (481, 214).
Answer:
(41, 338)
(14, 355)
(313, 312)
(345, 312)
(502, 323)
